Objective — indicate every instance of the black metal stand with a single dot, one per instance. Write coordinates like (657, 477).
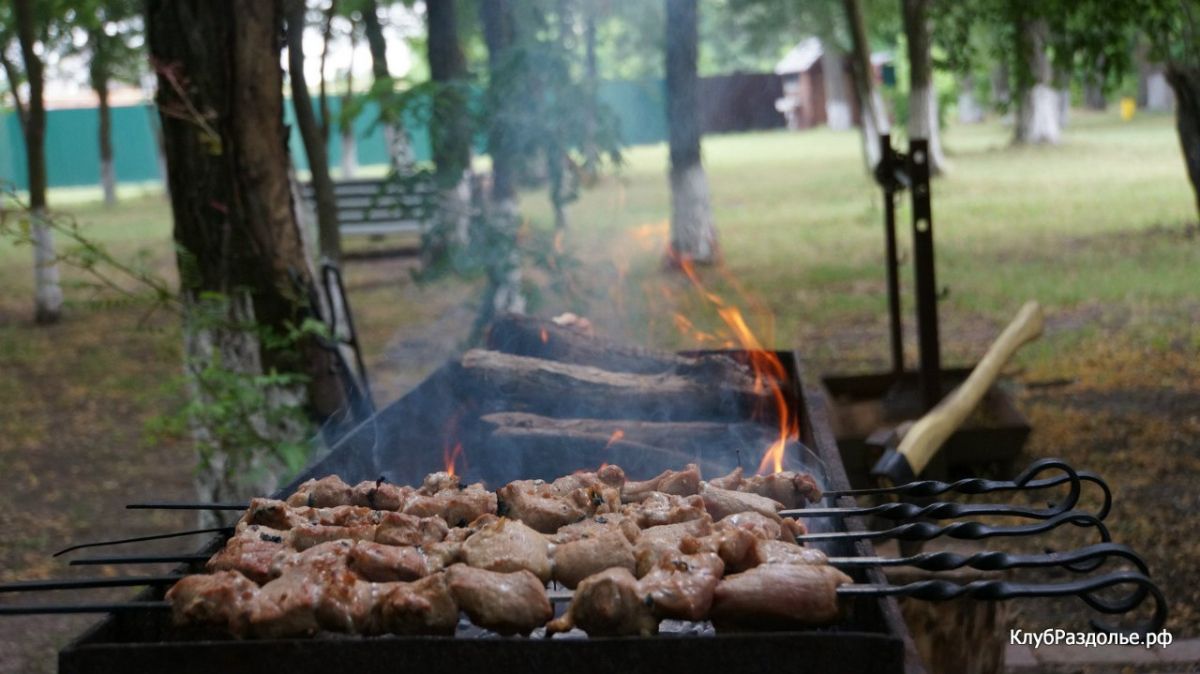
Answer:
(892, 181)
(926, 282)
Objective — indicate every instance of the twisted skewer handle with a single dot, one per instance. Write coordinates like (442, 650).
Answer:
(971, 531)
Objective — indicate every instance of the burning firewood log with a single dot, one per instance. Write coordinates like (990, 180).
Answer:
(566, 389)
(683, 436)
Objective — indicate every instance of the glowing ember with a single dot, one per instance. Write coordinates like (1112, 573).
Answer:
(545, 336)
(614, 438)
(450, 457)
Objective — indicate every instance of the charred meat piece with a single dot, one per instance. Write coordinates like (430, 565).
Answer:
(379, 495)
(224, 599)
(380, 563)
(311, 535)
(732, 544)
(421, 607)
(732, 481)
(792, 489)
(508, 603)
(588, 555)
(659, 508)
(538, 505)
(403, 529)
(778, 596)
(594, 526)
(438, 482)
(326, 492)
(507, 546)
(779, 552)
(722, 503)
(250, 552)
(275, 514)
(609, 603)
(656, 542)
(456, 506)
(678, 482)
(607, 476)
(681, 586)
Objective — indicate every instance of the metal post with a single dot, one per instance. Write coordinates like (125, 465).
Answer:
(926, 283)
(891, 263)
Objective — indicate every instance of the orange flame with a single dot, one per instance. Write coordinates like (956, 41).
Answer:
(614, 438)
(450, 457)
(545, 336)
(769, 373)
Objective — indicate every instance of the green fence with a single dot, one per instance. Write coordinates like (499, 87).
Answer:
(73, 156)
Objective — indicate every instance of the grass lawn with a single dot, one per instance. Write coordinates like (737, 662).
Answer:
(1102, 230)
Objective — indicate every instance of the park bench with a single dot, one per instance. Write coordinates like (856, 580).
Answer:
(378, 207)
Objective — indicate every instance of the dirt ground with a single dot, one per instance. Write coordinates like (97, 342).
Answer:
(74, 452)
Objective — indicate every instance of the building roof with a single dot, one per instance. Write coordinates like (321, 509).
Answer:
(801, 57)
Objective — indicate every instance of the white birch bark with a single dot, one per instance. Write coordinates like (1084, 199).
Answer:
(509, 296)
(1038, 116)
(923, 123)
(969, 110)
(693, 234)
(838, 114)
(349, 155)
(48, 296)
(108, 182)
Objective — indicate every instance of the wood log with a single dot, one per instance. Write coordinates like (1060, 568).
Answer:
(687, 436)
(502, 381)
(540, 338)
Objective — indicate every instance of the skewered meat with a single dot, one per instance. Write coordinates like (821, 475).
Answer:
(326, 492)
(595, 525)
(732, 544)
(608, 476)
(778, 595)
(250, 552)
(218, 599)
(759, 525)
(380, 563)
(656, 542)
(456, 506)
(678, 482)
(581, 558)
(507, 546)
(309, 535)
(609, 603)
(421, 607)
(732, 481)
(779, 552)
(724, 502)
(681, 586)
(539, 505)
(792, 489)
(268, 512)
(508, 603)
(379, 495)
(659, 508)
(404, 529)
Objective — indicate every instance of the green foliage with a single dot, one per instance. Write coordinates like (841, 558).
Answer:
(237, 411)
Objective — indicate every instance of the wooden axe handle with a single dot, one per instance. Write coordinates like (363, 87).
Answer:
(927, 435)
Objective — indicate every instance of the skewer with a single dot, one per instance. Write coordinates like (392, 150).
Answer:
(138, 539)
(972, 531)
(898, 511)
(139, 559)
(185, 505)
(975, 486)
(86, 583)
(927, 590)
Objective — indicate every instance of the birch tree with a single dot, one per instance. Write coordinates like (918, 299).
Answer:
(922, 96)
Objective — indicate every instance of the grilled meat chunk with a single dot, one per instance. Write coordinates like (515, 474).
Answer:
(326, 492)
(659, 508)
(508, 603)
(379, 495)
(732, 481)
(609, 603)
(438, 482)
(403, 529)
(539, 505)
(456, 506)
(778, 596)
(595, 525)
(222, 599)
(757, 524)
(779, 552)
(380, 563)
(310, 535)
(250, 552)
(678, 482)
(274, 514)
(507, 546)
(607, 476)
(421, 607)
(681, 586)
(592, 554)
(792, 489)
(722, 503)
(656, 542)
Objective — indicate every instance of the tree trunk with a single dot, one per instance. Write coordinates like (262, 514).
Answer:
(504, 275)
(922, 97)
(839, 114)
(1062, 89)
(329, 236)
(693, 234)
(345, 124)
(1094, 97)
(108, 175)
(450, 132)
(14, 85)
(235, 228)
(48, 296)
(1185, 81)
(1037, 120)
(874, 116)
(394, 134)
(969, 110)
(1001, 91)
